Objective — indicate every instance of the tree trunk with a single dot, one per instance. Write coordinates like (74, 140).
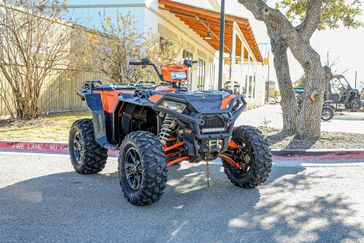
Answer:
(281, 65)
(297, 39)
(27, 108)
(328, 76)
(310, 117)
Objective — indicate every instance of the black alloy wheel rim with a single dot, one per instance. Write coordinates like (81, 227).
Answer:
(77, 147)
(133, 169)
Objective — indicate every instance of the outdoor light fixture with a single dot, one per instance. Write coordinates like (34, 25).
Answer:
(208, 36)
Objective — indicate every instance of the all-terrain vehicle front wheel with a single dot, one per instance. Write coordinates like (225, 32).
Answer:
(87, 156)
(253, 155)
(142, 168)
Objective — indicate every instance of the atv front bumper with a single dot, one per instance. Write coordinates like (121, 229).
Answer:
(206, 134)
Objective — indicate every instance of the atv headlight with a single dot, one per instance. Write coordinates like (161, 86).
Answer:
(172, 105)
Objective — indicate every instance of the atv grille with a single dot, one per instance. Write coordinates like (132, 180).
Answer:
(213, 122)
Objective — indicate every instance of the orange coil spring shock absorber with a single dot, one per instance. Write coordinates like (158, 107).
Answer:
(169, 124)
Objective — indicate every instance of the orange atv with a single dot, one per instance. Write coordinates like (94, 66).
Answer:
(159, 126)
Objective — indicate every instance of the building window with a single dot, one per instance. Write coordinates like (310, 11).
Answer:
(254, 86)
(201, 74)
(212, 77)
(189, 56)
(251, 86)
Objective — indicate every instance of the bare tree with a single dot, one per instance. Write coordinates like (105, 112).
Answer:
(120, 42)
(34, 44)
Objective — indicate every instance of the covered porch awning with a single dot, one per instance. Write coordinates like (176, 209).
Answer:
(207, 23)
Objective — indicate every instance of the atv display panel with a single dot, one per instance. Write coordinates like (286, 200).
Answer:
(175, 73)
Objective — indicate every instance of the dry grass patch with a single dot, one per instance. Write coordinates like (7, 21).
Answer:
(54, 128)
(328, 140)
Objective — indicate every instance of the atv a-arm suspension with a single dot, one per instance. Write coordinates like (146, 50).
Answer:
(232, 145)
(173, 157)
(177, 161)
(230, 161)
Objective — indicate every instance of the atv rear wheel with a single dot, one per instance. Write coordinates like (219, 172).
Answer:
(87, 156)
(253, 155)
(142, 168)
(327, 114)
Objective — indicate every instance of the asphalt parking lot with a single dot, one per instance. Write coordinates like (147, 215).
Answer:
(43, 200)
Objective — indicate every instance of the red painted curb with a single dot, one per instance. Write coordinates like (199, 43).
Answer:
(62, 148)
(352, 155)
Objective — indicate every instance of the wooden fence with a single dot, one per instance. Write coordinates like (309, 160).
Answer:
(59, 92)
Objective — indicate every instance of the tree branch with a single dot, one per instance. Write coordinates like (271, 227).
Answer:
(279, 23)
(312, 19)
(270, 16)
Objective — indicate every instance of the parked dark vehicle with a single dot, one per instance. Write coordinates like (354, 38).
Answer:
(343, 96)
(327, 111)
(158, 126)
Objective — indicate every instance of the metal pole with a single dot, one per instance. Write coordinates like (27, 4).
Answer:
(232, 53)
(222, 38)
(356, 77)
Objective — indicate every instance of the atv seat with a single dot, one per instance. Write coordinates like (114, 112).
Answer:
(165, 88)
(114, 87)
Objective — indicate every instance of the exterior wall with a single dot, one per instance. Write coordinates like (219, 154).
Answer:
(260, 85)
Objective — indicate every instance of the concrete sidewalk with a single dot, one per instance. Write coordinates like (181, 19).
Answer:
(271, 116)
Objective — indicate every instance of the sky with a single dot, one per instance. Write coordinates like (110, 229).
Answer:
(345, 46)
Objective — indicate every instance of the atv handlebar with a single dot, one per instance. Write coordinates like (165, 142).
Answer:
(135, 63)
(146, 62)
(189, 63)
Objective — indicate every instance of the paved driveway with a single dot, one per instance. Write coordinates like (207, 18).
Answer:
(271, 116)
(43, 200)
